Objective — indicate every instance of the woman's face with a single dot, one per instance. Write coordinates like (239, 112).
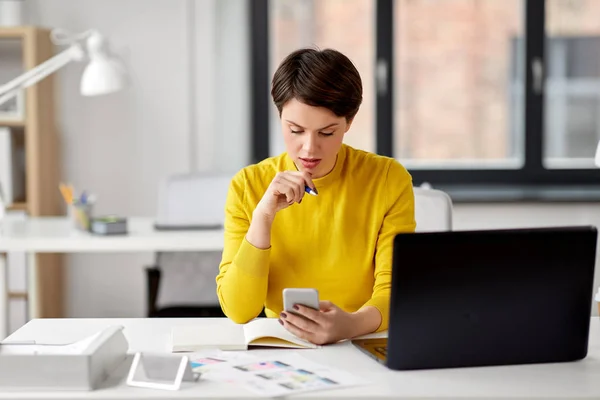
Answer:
(313, 136)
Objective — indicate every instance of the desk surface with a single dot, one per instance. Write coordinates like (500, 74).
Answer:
(575, 380)
(56, 235)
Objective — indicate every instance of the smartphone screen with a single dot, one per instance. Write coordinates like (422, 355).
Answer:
(305, 296)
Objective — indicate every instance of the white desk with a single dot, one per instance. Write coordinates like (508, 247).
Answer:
(57, 235)
(574, 380)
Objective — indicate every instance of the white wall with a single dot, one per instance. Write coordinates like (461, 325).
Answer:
(120, 146)
(487, 216)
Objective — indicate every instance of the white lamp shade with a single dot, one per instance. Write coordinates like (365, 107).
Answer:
(102, 76)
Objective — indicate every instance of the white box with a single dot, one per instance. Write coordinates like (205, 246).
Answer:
(12, 168)
(82, 365)
(17, 314)
(16, 270)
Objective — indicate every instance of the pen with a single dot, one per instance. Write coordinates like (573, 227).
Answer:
(311, 191)
(67, 193)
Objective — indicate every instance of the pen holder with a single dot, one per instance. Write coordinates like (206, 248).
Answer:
(81, 215)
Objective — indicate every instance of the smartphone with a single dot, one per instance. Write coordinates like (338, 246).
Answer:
(305, 296)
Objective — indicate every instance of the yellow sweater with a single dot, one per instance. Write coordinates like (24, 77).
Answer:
(339, 242)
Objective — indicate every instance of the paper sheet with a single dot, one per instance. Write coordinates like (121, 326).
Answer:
(283, 375)
(215, 359)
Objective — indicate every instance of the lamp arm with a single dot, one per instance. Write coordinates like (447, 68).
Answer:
(45, 69)
(34, 75)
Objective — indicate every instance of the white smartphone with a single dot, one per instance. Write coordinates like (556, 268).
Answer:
(304, 296)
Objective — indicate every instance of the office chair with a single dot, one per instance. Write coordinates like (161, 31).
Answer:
(433, 209)
(182, 284)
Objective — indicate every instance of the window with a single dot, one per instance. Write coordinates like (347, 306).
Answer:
(454, 95)
(345, 25)
(572, 113)
(465, 93)
(572, 101)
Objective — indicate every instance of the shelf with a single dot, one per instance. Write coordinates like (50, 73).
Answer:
(12, 124)
(17, 295)
(16, 32)
(41, 152)
(18, 206)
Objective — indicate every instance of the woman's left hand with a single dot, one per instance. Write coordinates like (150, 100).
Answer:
(329, 325)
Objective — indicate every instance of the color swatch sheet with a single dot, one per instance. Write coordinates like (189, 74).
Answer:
(283, 375)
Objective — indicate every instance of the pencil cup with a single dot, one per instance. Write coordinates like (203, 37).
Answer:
(81, 216)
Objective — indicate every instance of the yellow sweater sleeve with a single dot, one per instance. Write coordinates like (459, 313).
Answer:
(400, 217)
(244, 269)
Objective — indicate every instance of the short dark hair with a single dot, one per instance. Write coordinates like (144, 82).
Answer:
(319, 78)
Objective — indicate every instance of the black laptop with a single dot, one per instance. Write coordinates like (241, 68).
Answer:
(494, 297)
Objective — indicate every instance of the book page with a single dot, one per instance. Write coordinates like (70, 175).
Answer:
(377, 335)
(194, 338)
(269, 332)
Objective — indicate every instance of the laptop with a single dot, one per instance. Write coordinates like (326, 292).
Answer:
(493, 297)
(192, 202)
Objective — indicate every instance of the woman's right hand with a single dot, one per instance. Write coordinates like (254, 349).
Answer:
(285, 189)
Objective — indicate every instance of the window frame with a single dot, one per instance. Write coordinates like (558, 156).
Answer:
(531, 176)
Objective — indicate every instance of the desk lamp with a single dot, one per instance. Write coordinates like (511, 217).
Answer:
(102, 75)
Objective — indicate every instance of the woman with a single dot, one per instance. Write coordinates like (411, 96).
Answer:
(338, 241)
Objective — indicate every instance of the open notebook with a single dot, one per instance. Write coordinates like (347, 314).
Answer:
(259, 332)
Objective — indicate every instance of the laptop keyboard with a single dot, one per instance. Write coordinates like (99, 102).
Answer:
(375, 348)
(381, 350)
